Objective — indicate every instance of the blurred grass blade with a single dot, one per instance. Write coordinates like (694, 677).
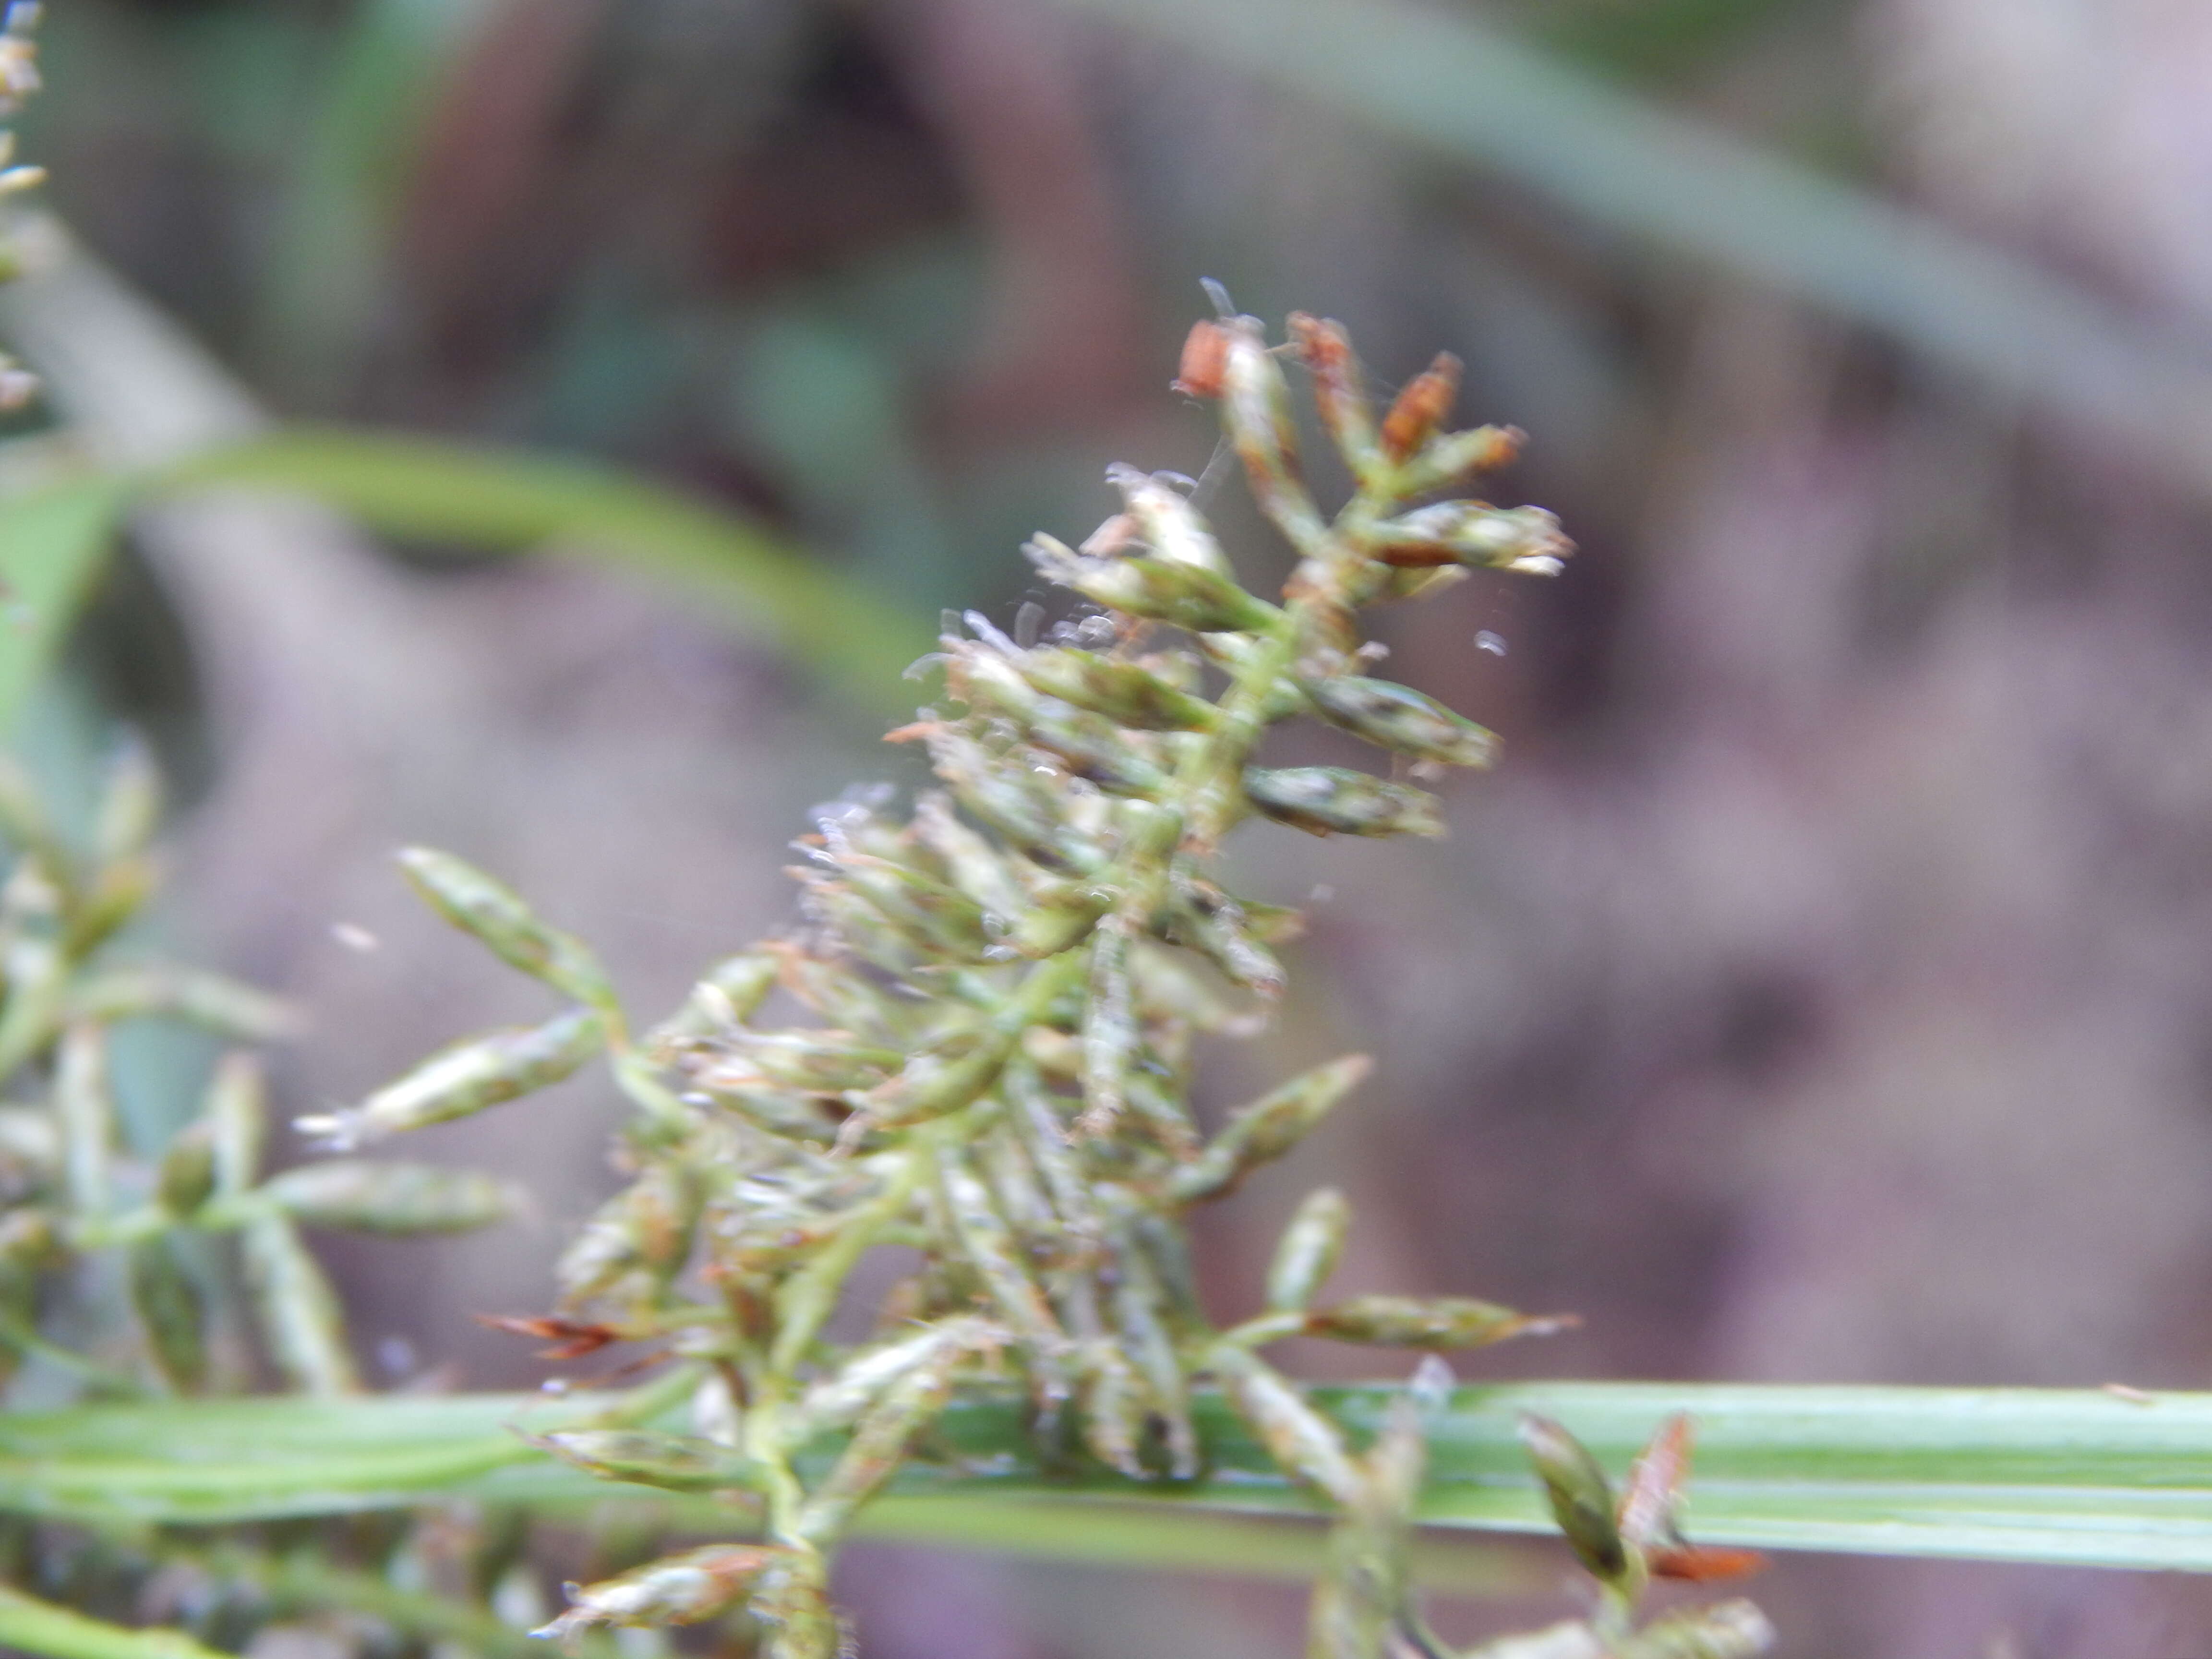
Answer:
(145, 399)
(1656, 37)
(1449, 81)
(2082, 1478)
(53, 540)
(297, 1582)
(30, 1625)
(481, 499)
(328, 259)
(55, 537)
(223, 1459)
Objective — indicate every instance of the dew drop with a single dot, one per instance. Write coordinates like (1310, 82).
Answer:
(1432, 1384)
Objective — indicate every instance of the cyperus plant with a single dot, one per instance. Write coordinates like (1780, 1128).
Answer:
(997, 1000)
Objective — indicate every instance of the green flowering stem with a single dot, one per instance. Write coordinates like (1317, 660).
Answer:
(1267, 1327)
(1208, 782)
(805, 1303)
(804, 1306)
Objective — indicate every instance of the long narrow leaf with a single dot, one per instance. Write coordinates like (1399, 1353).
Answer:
(53, 540)
(330, 240)
(1197, 1538)
(2017, 1474)
(137, 392)
(1443, 79)
(507, 501)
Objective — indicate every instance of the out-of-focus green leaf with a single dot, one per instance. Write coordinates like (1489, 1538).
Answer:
(1647, 38)
(327, 254)
(30, 1625)
(1443, 79)
(2076, 1477)
(441, 492)
(54, 537)
(53, 540)
(300, 1581)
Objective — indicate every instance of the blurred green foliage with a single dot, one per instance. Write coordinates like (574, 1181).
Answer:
(54, 540)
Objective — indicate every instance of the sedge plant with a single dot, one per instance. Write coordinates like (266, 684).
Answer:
(977, 1043)
(996, 1001)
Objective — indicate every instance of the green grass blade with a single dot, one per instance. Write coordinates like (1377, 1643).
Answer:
(1443, 79)
(55, 537)
(1657, 38)
(329, 250)
(441, 492)
(2079, 1477)
(1181, 1538)
(30, 1625)
(53, 540)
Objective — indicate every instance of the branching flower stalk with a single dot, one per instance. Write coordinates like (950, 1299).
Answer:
(1001, 996)
(151, 1254)
(83, 1222)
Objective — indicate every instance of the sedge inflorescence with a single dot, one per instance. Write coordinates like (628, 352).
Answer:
(170, 1259)
(999, 996)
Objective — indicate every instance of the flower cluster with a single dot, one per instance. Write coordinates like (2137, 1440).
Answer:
(78, 1211)
(996, 1001)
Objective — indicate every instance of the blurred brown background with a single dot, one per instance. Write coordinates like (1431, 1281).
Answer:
(1820, 992)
